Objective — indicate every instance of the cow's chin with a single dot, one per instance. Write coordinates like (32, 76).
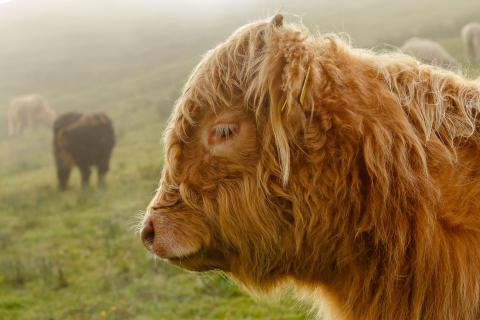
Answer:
(201, 261)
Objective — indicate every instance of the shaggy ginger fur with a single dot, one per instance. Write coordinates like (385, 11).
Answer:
(366, 196)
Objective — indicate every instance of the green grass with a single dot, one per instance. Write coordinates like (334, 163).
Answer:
(75, 255)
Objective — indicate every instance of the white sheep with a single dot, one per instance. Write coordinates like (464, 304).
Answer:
(430, 52)
(471, 41)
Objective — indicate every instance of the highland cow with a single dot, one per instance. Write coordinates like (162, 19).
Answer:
(353, 175)
(471, 41)
(28, 111)
(430, 52)
(83, 141)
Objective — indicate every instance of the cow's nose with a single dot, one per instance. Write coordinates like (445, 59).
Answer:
(148, 234)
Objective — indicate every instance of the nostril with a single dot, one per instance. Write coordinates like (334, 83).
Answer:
(148, 234)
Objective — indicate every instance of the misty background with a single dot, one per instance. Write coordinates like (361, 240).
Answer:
(51, 46)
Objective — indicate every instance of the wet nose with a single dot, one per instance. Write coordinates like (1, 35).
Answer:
(148, 234)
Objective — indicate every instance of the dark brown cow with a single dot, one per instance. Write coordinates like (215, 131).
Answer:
(84, 141)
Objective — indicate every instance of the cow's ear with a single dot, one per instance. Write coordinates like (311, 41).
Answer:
(287, 116)
(277, 20)
(287, 74)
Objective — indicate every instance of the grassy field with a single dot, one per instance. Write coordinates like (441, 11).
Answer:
(75, 255)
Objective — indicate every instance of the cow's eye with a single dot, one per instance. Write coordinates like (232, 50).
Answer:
(223, 132)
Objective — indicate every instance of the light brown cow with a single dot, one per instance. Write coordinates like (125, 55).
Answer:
(354, 175)
(28, 111)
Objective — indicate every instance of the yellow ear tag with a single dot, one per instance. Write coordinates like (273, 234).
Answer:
(304, 87)
(284, 105)
(302, 93)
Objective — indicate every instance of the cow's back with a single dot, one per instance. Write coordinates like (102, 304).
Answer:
(65, 120)
(89, 138)
(29, 104)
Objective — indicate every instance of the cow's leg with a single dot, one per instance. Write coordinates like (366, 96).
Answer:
(63, 173)
(15, 127)
(103, 165)
(11, 127)
(85, 172)
(20, 126)
(101, 179)
(28, 123)
(64, 165)
(102, 171)
(34, 122)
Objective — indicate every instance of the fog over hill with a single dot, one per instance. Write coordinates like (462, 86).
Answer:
(58, 45)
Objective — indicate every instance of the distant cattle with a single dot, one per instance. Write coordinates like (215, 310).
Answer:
(83, 141)
(28, 111)
(471, 41)
(430, 52)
